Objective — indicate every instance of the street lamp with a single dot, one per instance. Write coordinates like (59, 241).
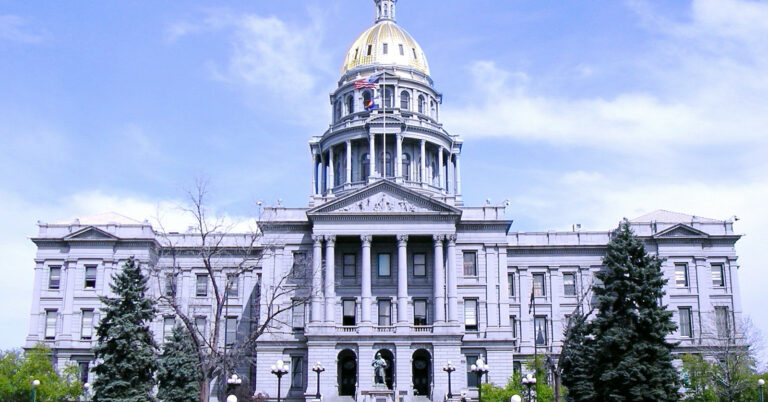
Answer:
(760, 384)
(449, 368)
(515, 398)
(86, 387)
(279, 369)
(231, 398)
(480, 368)
(35, 384)
(233, 381)
(529, 381)
(318, 368)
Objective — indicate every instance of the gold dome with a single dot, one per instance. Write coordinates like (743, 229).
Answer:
(385, 43)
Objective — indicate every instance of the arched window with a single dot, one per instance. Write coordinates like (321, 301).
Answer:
(337, 113)
(350, 104)
(433, 109)
(390, 167)
(435, 174)
(405, 100)
(422, 104)
(365, 167)
(366, 98)
(406, 167)
(337, 169)
(389, 97)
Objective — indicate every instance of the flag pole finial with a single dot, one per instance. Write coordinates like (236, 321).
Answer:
(385, 10)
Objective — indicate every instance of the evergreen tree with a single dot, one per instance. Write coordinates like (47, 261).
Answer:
(576, 360)
(177, 373)
(632, 360)
(125, 348)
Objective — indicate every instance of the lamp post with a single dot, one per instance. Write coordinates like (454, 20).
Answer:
(318, 368)
(233, 382)
(480, 368)
(515, 398)
(760, 384)
(449, 368)
(86, 388)
(529, 381)
(35, 384)
(279, 369)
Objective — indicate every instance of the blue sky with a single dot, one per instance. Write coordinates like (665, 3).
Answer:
(577, 112)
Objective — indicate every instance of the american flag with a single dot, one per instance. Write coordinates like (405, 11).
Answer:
(361, 84)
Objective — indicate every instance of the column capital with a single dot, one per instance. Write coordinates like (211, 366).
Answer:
(402, 240)
(317, 239)
(451, 238)
(438, 239)
(366, 240)
(330, 239)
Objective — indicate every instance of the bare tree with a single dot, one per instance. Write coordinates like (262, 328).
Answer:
(227, 259)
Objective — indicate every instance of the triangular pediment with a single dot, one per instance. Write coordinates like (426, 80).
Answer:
(681, 231)
(90, 234)
(385, 198)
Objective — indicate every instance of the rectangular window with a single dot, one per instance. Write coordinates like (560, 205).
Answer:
(420, 264)
(83, 369)
(471, 377)
(402, 50)
(230, 334)
(420, 312)
(54, 278)
(681, 275)
(299, 267)
(201, 285)
(722, 322)
(200, 325)
(50, 323)
(297, 372)
(718, 275)
(350, 265)
(370, 49)
(470, 314)
(513, 325)
(232, 281)
(385, 312)
(686, 331)
(540, 326)
(348, 313)
(414, 53)
(539, 290)
(90, 277)
(470, 263)
(386, 48)
(297, 315)
(168, 324)
(383, 267)
(170, 285)
(86, 324)
(511, 284)
(569, 284)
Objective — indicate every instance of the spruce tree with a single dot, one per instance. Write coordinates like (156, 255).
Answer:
(632, 359)
(177, 373)
(576, 360)
(125, 350)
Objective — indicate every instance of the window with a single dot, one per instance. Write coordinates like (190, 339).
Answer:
(414, 53)
(569, 284)
(686, 330)
(383, 265)
(350, 104)
(54, 278)
(299, 267)
(168, 324)
(232, 282)
(297, 373)
(90, 277)
(83, 368)
(511, 284)
(722, 322)
(470, 314)
(433, 109)
(50, 324)
(420, 264)
(718, 275)
(297, 314)
(406, 170)
(470, 263)
(370, 49)
(170, 285)
(201, 285)
(405, 100)
(350, 265)
(230, 335)
(513, 325)
(86, 324)
(540, 326)
(385, 48)
(348, 312)
(681, 275)
(402, 50)
(420, 312)
(337, 111)
(422, 104)
(471, 377)
(365, 166)
(200, 326)
(385, 312)
(539, 290)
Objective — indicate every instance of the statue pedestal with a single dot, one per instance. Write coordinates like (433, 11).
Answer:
(379, 393)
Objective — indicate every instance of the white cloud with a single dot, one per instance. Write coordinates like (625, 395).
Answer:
(16, 29)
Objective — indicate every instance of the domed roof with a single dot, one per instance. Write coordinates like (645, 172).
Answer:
(385, 43)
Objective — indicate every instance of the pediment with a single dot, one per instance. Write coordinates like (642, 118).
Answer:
(681, 231)
(90, 234)
(385, 198)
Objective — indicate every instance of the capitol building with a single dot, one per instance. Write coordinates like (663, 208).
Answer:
(396, 264)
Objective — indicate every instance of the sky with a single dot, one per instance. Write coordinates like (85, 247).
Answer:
(575, 112)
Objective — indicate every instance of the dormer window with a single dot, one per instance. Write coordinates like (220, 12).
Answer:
(402, 50)
(385, 48)
(357, 51)
(370, 49)
(414, 53)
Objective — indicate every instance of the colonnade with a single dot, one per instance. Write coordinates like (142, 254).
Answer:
(323, 300)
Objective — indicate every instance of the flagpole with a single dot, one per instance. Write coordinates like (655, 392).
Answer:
(384, 133)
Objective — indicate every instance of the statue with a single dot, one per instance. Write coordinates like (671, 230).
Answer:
(379, 366)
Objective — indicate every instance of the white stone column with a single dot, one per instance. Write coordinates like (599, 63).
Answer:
(322, 179)
(458, 175)
(366, 282)
(331, 181)
(439, 279)
(317, 279)
(314, 174)
(402, 278)
(452, 279)
(423, 166)
(349, 161)
(399, 161)
(372, 153)
(330, 278)
(440, 167)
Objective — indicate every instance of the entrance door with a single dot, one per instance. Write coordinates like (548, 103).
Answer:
(422, 372)
(347, 373)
